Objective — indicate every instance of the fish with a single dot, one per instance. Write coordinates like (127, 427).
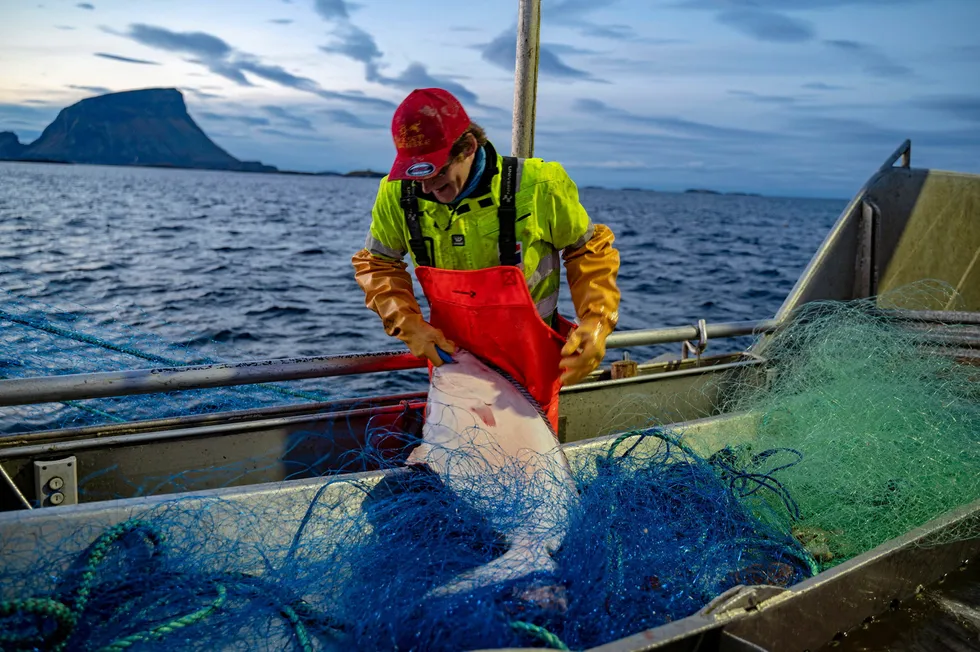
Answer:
(490, 444)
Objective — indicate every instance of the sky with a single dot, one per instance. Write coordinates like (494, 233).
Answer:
(782, 97)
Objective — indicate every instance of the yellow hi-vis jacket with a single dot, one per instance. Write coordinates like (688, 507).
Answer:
(550, 220)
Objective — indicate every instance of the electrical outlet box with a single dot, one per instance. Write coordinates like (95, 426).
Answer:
(56, 482)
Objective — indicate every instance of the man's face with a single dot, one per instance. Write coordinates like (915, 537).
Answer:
(448, 182)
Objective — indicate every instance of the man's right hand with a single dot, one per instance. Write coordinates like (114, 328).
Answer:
(422, 339)
(388, 292)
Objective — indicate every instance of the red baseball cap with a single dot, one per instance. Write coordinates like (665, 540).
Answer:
(424, 128)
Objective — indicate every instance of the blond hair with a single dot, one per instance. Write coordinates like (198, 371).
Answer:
(459, 146)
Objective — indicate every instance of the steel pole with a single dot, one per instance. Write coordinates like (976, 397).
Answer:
(76, 387)
(26, 391)
(526, 77)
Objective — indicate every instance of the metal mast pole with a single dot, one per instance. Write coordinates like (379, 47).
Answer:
(526, 77)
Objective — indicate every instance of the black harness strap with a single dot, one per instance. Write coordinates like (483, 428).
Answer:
(507, 212)
(506, 215)
(410, 204)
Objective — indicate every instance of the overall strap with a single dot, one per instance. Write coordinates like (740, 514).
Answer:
(507, 212)
(410, 204)
(506, 215)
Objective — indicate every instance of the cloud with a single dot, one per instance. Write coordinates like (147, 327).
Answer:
(281, 21)
(275, 74)
(340, 116)
(354, 43)
(116, 57)
(768, 26)
(356, 97)
(969, 53)
(574, 14)
(562, 48)
(873, 62)
(251, 121)
(787, 5)
(34, 117)
(613, 164)
(199, 44)
(201, 95)
(85, 5)
(764, 99)
(502, 52)
(285, 134)
(669, 125)
(854, 131)
(221, 59)
(332, 9)
(98, 90)
(66, 28)
(820, 86)
(291, 119)
(417, 76)
(964, 107)
(613, 32)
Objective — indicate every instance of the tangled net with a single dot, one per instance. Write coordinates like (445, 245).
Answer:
(887, 420)
(865, 429)
(657, 533)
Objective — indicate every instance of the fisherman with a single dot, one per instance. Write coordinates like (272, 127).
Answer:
(485, 233)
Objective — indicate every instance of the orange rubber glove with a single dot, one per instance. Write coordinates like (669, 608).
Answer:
(591, 271)
(388, 291)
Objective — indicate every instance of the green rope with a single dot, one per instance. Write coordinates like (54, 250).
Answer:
(295, 613)
(85, 408)
(168, 628)
(539, 633)
(88, 339)
(43, 607)
(82, 337)
(302, 636)
(67, 616)
(95, 411)
(99, 551)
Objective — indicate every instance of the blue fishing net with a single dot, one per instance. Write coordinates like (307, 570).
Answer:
(657, 533)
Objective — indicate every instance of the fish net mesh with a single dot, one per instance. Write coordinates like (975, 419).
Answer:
(37, 339)
(885, 410)
(862, 426)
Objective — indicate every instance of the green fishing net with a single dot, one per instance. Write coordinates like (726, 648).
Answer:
(884, 406)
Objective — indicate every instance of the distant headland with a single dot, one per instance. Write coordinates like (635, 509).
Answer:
(704, 191)
(689, 191)
(146, 128)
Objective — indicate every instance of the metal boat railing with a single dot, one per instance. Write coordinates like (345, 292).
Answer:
(75, 387)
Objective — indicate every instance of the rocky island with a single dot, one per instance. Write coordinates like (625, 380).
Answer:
(148, 127)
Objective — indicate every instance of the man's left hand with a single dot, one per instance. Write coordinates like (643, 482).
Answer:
(584, 351)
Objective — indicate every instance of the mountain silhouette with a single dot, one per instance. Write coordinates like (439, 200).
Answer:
(147, 127)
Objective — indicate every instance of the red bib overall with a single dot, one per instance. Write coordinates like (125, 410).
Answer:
(489, 312)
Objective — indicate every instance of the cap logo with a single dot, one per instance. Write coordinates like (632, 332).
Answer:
(420, 170)
(411, 137)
